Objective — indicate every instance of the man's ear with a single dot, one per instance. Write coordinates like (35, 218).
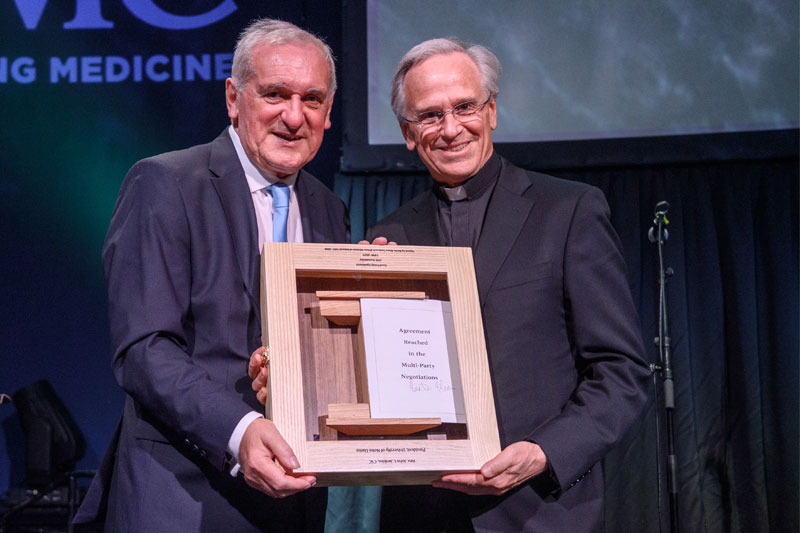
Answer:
(408, 135)
(328, 114)
(232, 101)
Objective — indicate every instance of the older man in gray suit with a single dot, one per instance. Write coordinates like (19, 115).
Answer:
(181, 261)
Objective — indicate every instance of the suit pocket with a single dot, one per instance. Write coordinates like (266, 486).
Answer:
(516, 275)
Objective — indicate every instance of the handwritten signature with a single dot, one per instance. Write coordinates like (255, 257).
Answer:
(417, 385)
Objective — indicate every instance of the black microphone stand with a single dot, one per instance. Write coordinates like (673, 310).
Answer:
(658, 234)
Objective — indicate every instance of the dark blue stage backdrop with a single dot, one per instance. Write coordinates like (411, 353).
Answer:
(89, 87)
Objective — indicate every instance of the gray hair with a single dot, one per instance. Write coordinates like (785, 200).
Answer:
(485, 60)
(273, 31)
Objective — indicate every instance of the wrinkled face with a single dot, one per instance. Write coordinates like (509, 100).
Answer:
(284, 110)
(454, 151)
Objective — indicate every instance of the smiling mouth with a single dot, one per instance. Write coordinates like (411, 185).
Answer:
(286, 136)
(456, 148)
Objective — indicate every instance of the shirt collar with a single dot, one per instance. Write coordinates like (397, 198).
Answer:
(257, 179)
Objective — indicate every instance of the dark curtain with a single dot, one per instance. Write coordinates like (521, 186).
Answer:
(733, 321)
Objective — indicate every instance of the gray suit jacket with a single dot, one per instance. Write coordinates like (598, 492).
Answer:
(564, 345)
(182, 273)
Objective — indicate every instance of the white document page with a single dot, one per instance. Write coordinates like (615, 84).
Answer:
(412, 360)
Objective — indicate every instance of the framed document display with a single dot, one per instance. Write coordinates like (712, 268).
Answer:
(417, 354)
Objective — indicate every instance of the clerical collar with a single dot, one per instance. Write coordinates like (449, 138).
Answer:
(475, 186)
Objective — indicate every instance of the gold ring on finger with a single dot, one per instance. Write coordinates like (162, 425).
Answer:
(265, 357)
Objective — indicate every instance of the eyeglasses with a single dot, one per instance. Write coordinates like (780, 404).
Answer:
(462, 112)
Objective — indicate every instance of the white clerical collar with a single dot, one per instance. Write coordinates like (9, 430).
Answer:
(257, 179)
(454, 194)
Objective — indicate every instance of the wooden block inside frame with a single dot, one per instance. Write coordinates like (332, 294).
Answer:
(314, 363)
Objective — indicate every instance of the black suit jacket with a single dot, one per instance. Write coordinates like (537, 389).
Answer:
(182, 272)
(564, 346)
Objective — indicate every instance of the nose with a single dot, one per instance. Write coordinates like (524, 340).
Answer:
(292, 114)
(451, 127)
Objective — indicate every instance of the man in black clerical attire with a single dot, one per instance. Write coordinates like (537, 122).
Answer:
(563, 337)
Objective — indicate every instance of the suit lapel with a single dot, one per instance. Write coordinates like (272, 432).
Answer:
(309, 204)
(231, 186)
(424, 229)
(505, 216)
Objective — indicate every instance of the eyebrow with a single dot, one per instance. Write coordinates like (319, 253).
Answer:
(440, 108)
(321, 93)
(272, 87)
(314, 91)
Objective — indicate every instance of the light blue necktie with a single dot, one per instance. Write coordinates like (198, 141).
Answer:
(280, 211)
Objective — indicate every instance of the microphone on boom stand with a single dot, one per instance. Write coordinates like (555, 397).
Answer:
(658, 235)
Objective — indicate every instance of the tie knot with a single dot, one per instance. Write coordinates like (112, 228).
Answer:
(280, 194)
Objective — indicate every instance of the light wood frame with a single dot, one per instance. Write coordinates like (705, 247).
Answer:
(311, 360)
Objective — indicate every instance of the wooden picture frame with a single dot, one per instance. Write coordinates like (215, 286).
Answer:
(315, 368)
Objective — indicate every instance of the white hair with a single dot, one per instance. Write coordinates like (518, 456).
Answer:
(485, 60)
(272, 31)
